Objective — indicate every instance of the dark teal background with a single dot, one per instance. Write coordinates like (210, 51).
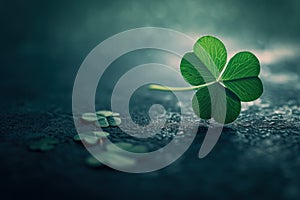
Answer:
(42, 46)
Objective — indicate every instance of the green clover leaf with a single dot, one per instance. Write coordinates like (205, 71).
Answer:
(103, 118)
(219, 85)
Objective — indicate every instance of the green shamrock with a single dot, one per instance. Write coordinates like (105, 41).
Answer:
(218, 86)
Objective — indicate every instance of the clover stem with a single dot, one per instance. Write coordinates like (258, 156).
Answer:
(165, 88)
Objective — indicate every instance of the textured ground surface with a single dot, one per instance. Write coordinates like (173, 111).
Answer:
(256, 156)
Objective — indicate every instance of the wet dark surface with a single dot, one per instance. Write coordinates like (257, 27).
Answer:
(257, 156)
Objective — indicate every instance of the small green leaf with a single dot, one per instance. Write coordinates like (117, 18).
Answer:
(242, 65)
(247, 89)
(217, 102)
(102, 122)
(76, 138)
(201, 103)
(91, 140)
(240, 76)
(228, 109)
(104, 113)
(194, 71)
(100, 116)
(114, 121)
(212, 53)
(89, 117)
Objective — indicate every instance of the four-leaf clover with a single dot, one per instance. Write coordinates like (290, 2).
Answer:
(217, 85)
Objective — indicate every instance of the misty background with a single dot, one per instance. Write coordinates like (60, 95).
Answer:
(45, 41)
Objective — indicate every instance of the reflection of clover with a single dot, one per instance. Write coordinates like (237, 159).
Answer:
(92, 137)
(44, 144)
(205, 70)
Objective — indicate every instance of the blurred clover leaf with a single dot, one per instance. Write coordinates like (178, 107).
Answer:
(44, 144)
(206, 70)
